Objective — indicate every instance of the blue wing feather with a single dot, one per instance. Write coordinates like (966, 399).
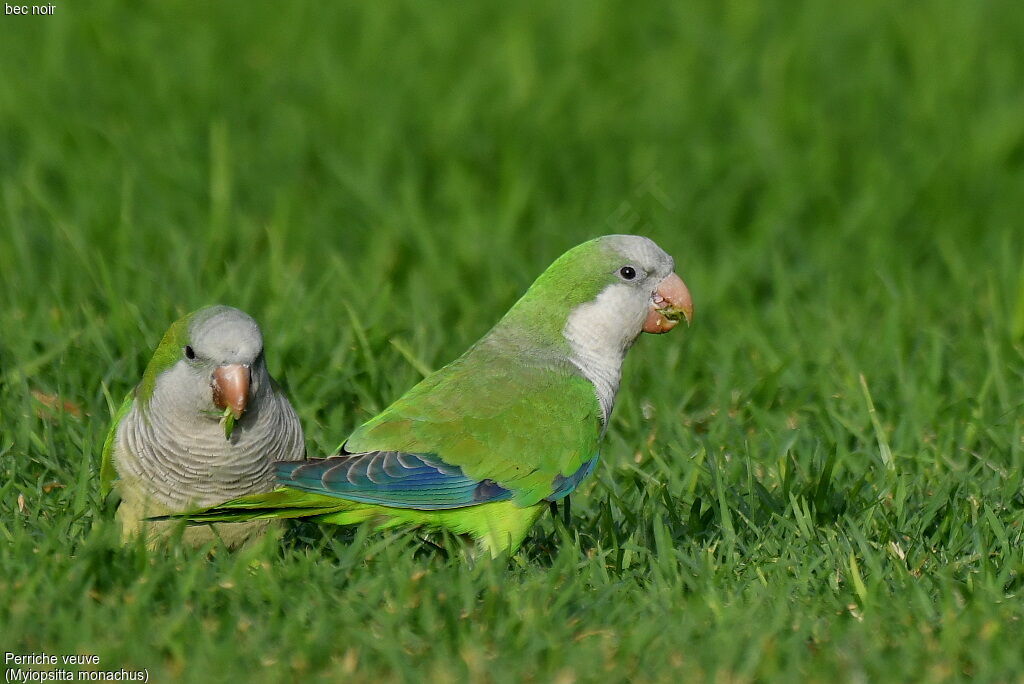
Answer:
(563, 486)
(390, 478)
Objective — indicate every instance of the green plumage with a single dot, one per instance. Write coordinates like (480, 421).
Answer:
(167, 353)
(496, 527)
(543, 422)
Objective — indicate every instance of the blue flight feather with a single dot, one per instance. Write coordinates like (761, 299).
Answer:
(562, 486)
(390, 478)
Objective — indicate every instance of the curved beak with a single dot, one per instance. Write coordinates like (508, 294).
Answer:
(670, 302)
(231, 388)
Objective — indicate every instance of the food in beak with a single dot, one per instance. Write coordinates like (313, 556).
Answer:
(231, 388)
(670, 302)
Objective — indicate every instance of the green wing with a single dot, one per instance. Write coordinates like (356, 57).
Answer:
(108, 473)
(525, 427)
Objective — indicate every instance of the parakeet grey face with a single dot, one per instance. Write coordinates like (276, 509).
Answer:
(224, 350)
(646, 283)
(636, 291)
(217, 363)
(632, 289)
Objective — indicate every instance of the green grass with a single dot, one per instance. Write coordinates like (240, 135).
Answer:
(821, 479)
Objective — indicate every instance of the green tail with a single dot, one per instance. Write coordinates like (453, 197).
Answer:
(280, 503)
(497, 527)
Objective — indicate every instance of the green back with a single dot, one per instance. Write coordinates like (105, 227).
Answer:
(498, 419)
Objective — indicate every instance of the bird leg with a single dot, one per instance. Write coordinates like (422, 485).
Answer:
(566, 511)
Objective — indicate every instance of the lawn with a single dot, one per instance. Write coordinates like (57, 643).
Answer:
(822, 478)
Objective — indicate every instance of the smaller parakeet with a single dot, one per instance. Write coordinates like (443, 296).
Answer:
(206, 423)
(482, 446)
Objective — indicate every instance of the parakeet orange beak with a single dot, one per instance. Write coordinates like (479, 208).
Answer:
(231, 388)
(669, 303)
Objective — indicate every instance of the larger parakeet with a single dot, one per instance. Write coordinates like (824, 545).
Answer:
(206, 423)
(481, 446)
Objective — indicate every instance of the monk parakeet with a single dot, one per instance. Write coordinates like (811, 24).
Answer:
(481, 446)
(206, 424)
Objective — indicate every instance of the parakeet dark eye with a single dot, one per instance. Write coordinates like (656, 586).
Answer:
(627, 272)
(190, 353)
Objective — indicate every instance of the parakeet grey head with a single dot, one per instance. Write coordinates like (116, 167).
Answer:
(208, 362)
(611, 288)
(640, 293)
(595, 300)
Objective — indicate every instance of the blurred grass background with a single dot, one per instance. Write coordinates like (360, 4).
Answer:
(821, 479)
